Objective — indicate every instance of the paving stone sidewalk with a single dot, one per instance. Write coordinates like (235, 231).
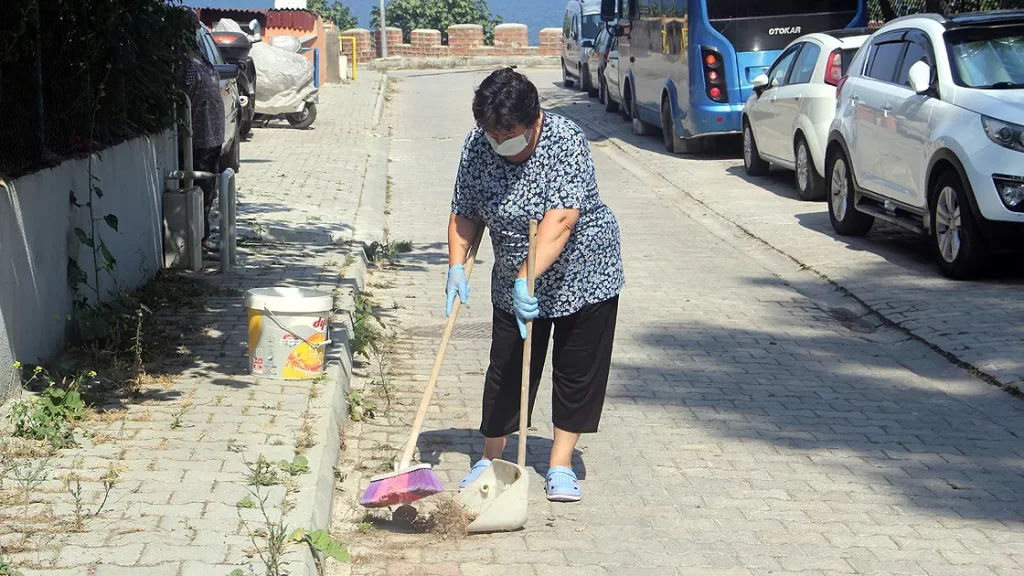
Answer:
(892, 271)
(170, 467)
(747, 432)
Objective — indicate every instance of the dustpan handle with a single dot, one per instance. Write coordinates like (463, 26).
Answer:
(417, 425)
(524, 395)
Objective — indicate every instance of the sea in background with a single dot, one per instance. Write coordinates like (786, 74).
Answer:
(536, 14)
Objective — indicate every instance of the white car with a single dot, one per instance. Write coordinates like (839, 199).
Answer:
(787, 117)
(928, 135)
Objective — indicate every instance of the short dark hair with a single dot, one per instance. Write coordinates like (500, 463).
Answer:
(504, 100)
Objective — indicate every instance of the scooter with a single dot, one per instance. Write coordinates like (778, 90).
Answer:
(297, 103)
(235, 48)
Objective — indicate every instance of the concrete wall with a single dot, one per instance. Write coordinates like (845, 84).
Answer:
(37, 237)
(464, 40)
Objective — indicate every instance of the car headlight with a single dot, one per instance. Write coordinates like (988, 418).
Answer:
(1005, 134)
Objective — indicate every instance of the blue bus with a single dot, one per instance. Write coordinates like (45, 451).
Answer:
(686, 66)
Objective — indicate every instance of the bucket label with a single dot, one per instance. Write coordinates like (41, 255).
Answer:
(287, 346)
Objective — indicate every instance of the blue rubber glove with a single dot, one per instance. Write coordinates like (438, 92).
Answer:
(525, 306)
(458, 284)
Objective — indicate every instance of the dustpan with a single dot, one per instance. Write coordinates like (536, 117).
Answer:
(500, 496)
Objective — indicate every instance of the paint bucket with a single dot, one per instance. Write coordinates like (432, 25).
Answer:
(288, 332)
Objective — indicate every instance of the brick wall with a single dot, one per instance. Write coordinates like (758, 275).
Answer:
(551, 41)
(463, 40)
(364, 45)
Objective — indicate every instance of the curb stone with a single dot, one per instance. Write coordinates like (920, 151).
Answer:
(313, 508)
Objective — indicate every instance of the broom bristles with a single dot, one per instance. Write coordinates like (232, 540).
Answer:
(401, 487)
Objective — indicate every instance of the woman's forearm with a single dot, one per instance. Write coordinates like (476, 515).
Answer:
(553, 232)
(461, 232)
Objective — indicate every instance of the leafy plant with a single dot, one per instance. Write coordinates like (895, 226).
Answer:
(410, 15)
(333, 11)
(53, 414)
(246, 502)
(300, 465)
(262, 472)
(358, 407)
(365, 324)
(7, 569)
(322, 544)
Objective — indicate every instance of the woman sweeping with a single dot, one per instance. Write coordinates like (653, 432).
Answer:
(521, 163)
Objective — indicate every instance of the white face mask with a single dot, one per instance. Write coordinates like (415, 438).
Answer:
(512, 146)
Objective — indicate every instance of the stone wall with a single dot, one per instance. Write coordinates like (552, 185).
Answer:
(464, 40)
(37, 238)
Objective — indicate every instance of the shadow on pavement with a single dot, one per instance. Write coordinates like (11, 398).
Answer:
(432, 444)
(851, 416)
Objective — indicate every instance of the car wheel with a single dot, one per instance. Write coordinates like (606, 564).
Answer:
(609, 104)
(602, 92)
(591, 90)
(304, 119)
(566, 80)
(959, 249)
(673, 143)
(627, 104)
(752, 161)
(809, 184)
(846, 219)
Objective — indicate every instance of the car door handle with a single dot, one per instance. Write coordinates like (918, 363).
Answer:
(854, 96)
(632, 59)
(887, 107)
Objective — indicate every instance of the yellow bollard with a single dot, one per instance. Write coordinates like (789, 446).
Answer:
(354, 55)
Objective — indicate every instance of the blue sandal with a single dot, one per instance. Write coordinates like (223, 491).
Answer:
(477, 470)
(562, 485)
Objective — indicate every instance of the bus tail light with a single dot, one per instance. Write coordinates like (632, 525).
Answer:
(714, 75)
(834, 70)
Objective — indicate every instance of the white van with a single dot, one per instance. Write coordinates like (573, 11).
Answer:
(579, 30)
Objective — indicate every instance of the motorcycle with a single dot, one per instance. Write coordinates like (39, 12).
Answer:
(288, 92)
(235, 47)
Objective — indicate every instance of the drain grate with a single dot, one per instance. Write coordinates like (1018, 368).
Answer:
(467, 331)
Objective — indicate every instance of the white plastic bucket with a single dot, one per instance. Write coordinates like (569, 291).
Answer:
(288, 334)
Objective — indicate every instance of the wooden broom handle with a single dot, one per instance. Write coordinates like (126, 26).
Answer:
(410, 447)
(524, 395)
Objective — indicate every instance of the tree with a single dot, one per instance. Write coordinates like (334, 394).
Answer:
(333, 11)
(410, 15)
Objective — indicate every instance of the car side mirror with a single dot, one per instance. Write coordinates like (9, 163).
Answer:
(760, 83)
(609, 8)
(920, 77)
(226, 71)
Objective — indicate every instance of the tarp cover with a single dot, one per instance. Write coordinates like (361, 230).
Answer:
(284, 80)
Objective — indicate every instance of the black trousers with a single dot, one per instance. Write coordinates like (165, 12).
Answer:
(207, 160)
(581, 359)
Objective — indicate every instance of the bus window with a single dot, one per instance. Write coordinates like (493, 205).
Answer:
(723, 9)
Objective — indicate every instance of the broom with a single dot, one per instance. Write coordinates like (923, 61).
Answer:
(410, 483)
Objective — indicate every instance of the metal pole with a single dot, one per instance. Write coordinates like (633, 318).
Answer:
(232, 232)
(186, 143)
(383, 32)
(223, 209)
(316, 67)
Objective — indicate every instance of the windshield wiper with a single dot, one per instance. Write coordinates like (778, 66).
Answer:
(1004, 85)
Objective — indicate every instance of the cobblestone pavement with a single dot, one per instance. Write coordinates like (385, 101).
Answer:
(746, 431)
(174, 458)
(892, 271)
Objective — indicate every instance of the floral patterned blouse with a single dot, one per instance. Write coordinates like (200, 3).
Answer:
(505, 196)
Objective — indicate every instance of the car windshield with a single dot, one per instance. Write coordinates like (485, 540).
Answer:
(987, 58)
(591, 26)
(847, 56)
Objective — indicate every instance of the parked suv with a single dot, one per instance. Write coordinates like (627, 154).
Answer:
(927, 136)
